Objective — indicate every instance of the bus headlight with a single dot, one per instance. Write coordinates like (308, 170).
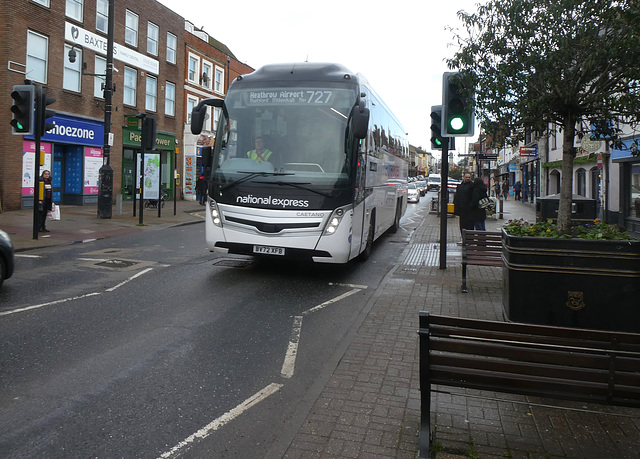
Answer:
(334, 222)
(215, 213)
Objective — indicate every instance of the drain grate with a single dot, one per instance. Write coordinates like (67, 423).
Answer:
(232, 262)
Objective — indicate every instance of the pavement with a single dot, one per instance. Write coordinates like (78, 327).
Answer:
(370, 406)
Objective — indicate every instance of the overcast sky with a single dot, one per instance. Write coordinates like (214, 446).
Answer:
(399, 46)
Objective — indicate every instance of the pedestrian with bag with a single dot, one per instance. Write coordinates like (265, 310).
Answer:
(479, 203)
(505, 189)
(462, 202)
(46, 204)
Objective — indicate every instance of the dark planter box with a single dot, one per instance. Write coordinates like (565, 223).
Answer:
(572, 282)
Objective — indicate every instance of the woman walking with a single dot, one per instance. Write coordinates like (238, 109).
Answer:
(46, 204)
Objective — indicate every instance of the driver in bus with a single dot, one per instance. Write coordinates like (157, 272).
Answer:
(260, 154)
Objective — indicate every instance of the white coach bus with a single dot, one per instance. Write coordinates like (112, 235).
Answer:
(305, 165)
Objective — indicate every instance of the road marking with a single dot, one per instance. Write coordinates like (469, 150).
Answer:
(329, 302)
(225, 418)
(292, 350)
(144, 271)
(38, 306)
(23, 255)
(362, 287)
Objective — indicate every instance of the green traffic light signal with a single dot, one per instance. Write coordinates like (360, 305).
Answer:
(22, 109)
(457, 106)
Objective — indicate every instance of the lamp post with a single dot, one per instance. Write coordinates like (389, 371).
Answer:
(105, 183)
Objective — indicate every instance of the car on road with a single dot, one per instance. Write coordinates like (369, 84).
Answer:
(6, 257)
(422, 186)
(413, 193)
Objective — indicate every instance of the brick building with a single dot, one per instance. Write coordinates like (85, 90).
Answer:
(36, 38)
(209, 69)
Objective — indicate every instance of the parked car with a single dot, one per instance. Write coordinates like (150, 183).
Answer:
(422, 187)
(6, 257)
(414, 193)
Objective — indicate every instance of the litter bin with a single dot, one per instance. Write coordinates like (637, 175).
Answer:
(582, 209)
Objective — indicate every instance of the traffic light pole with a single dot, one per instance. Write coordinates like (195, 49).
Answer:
(444, 200)
(105, 184)
(36, 162)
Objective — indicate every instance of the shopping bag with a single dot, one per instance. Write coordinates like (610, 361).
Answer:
(54, 213)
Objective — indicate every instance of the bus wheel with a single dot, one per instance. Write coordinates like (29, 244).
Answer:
(366, 253)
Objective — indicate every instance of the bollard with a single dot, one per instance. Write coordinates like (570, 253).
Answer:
(118, 204)
(501, 207)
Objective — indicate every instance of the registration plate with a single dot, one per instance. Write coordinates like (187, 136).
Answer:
(267, 250)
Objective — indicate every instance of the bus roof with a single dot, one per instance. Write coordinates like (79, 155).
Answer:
(300, 71)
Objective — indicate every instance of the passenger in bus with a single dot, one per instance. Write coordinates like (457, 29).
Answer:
(260, 154)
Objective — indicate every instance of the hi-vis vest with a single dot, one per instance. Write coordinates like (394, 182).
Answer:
(260, 157)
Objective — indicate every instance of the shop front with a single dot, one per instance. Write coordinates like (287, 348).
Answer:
(628, 158)
(72, 152)
(165, 148)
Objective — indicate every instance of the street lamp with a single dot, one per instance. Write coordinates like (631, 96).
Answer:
(105, 182)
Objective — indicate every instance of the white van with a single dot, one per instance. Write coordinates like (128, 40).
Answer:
(433, 182)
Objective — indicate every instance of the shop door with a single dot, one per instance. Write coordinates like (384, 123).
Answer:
(128, 174)
(57, 169)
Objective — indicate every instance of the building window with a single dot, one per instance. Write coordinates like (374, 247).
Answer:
(151, 94)
(207, 74)
(635, 191)
(43, 2)
(74, 9)
(194, 69)
(170, 99)
(172, 47)
(191, 103)
(102, 15)
(581, 182)
(131, 29)
(100, 66)
(37, 51)
(219, 83)
(72, 71)
(130, 84)
(152, 38)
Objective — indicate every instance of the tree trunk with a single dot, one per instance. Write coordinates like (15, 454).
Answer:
(566, 184)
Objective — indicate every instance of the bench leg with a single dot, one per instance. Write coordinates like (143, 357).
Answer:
(424, 437)
(464, 289)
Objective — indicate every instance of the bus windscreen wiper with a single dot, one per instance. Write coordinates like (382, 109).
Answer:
(251, 175)
(302, 187)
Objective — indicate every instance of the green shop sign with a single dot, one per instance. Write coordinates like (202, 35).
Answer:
(132, 138)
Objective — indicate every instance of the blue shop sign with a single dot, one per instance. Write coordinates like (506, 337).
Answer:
(72, 130)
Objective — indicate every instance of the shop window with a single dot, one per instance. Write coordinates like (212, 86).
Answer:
(635, 191)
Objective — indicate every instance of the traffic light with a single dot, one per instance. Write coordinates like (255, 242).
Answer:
(436, 127)
(149, 129)
(42, 113)
(22, 109)
(457, 107)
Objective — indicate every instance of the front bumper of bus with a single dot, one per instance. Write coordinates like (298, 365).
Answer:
(302, 234)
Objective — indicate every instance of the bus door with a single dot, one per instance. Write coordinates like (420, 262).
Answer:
(360, 221)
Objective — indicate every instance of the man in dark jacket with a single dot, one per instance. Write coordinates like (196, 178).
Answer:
(201, 189)
(462, 202)
(477, 214)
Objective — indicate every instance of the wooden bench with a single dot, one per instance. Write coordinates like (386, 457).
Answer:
(563, 363)
(483, 248)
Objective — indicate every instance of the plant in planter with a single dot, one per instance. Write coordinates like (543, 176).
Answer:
(589, 278)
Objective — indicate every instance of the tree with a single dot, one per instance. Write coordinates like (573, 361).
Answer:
(536, 63)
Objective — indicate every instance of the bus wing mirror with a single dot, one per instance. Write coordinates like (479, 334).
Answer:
(360, 122)
(199, 113)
